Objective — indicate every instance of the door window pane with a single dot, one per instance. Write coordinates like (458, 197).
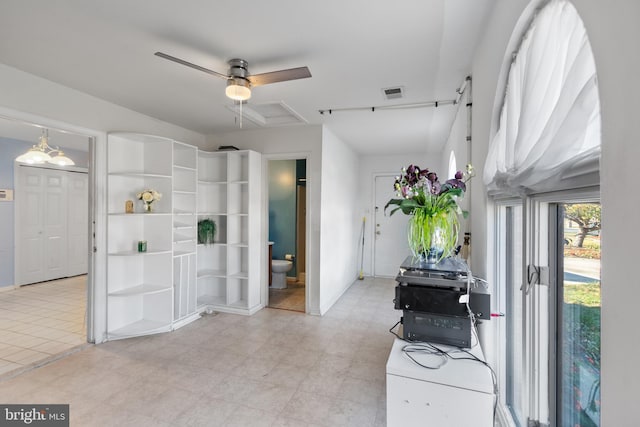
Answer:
(579, 317)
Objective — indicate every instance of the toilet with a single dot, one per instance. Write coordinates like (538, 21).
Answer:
(279, 269)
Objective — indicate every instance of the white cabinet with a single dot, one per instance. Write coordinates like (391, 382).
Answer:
(459, 393)
(229, 192)
(139, 283)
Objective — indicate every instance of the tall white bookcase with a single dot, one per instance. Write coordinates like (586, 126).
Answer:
(185, 234)
(139, 285)
(176, 279)
(229, 192)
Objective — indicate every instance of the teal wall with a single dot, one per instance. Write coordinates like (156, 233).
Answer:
(282, 209)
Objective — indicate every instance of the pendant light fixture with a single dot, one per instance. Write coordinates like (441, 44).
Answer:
(42, 153)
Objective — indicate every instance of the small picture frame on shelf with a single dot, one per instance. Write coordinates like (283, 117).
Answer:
(128, 206)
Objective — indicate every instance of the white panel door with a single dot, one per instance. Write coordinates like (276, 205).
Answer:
(29, 216)
(41, 225)
(78, 223)
(390, 237)
(55, 224)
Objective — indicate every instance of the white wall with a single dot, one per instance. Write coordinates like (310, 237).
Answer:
(290, 142)
(340, 219)
(31, 98)
(613, 32)
(34, 95)
(370, 166)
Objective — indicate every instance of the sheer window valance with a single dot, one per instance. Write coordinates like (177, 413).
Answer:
(549, 129)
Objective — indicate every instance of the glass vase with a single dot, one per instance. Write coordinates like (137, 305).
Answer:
(433, 237)
(147, 207)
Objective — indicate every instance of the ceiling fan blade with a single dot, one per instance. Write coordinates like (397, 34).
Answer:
(279, 76)
(191, 65)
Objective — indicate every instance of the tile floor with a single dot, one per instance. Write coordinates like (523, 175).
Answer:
(41, 320)
(291, 298)
(275, 368)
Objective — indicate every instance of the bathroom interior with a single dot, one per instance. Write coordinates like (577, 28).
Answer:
(287, 225)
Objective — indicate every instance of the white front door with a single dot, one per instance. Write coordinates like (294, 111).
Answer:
(390, 232)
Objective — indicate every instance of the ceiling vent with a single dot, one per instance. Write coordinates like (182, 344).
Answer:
(393, 92)
(269, 114)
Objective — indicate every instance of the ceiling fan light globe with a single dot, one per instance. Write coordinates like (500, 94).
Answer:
(238, 89)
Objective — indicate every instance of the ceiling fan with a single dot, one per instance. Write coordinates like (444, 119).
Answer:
(239, 81)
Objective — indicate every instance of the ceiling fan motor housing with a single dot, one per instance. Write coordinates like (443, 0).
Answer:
(238, 68)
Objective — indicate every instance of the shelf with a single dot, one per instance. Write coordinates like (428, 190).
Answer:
(200, 181)
(177, 254)
(238, 245)
(144, 289)
(211, 300)
(136, 253)
(184, 168)
(239, 275)
(202, 274)
(140, 327)
(139, 214)
(183, 239)
(238, 214)
(238, 182)
(202, 245)
(183, 192)
(140, 175)
(182, 212)
(211, 214)
(182, 226)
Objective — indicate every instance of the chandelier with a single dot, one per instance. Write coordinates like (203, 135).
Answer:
(43, 153)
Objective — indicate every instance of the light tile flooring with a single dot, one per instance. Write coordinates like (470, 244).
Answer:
(275, 368)
(41, 320)
(291, 298)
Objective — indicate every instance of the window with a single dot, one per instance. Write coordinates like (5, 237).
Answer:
(548, 275)
(510, 303)
(577, 311)
(453, 166)
(545, 153)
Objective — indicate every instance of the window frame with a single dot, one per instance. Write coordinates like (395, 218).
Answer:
(541, 315)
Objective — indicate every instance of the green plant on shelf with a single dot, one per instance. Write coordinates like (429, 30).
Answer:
(206, 231)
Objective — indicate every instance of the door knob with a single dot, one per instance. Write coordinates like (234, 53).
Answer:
(377, 232)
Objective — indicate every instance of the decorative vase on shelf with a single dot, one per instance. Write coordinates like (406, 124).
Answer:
(147, 207)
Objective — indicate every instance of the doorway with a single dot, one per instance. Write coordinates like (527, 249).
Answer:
(390, 231)
(46, 264)
(287, 207)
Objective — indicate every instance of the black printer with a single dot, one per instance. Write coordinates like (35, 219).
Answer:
(433, 298)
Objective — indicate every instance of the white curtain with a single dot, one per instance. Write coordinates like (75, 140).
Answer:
(550, 121)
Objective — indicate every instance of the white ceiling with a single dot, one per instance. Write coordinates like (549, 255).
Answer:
(353, 48)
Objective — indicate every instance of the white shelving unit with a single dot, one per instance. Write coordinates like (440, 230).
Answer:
(139, 287)
(185, 233)
(229, 192)
(176, 279)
